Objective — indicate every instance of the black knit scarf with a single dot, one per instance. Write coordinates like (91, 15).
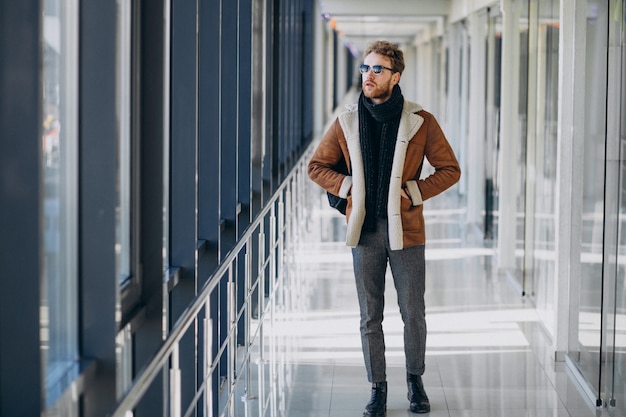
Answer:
(378, 130)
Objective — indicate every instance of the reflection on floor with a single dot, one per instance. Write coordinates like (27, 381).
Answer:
(486, 352)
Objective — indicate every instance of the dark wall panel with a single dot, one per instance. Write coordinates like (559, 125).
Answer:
(183, 170)
(20, 94)
(97, 196)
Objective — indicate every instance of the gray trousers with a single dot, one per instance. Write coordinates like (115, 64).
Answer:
(408, 269)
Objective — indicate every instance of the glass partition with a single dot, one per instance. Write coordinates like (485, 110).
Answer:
(522, 111)
(587, 354)
(615, 363)
(492, 120)
(58, 312)
(542, 156)
(124, 94)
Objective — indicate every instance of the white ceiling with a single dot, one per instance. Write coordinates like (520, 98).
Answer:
(398, 21)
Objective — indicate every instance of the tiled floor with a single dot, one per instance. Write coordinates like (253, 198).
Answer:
(486, 351)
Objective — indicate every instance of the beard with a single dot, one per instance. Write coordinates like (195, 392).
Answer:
(377, 91)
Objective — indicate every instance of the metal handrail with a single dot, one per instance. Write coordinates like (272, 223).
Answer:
(170, 345)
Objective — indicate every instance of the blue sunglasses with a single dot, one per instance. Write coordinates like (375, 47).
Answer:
(376, 69)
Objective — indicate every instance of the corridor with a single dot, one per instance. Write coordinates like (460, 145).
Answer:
(167, 255)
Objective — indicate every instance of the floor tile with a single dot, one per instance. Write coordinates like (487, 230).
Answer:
(511, 413)
(474, 398)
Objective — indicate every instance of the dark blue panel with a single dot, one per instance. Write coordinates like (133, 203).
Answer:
(229, 138)
(20, 93)
(245, 114)
(148, 336)
(183, 137)
(183, 187)
(98, 156)
(209, 127)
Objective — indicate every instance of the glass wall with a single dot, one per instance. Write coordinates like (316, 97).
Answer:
(522, 111)
(542, 155)
(123, 76)
(598, 304)
(58, 312)
(494, 86)
(588, 356)
(617, 344)
(606, 338)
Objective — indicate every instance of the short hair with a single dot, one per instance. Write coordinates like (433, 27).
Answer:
(389, 50)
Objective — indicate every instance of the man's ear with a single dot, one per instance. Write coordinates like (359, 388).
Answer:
(396, 77)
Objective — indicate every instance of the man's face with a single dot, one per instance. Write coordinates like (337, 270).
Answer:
(378, 87)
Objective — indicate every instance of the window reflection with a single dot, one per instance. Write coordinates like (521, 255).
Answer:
(59, 147)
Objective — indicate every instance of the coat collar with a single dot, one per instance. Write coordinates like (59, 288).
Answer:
(410, 121)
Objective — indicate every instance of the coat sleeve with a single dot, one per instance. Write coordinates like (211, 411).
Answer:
(441, 156)
(325, 164)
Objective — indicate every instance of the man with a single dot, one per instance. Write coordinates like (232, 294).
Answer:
(383, 140)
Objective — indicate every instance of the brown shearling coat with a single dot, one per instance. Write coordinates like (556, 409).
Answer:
(419, 136)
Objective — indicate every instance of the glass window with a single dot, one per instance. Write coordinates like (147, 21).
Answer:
(523, 96)
(594, 173)
(492, 119)
(166, 135)
(123, 209)
(60, 178)
(542, 157)
(618, 363)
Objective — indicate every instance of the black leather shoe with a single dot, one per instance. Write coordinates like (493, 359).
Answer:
(377, 407)
(417, 396)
